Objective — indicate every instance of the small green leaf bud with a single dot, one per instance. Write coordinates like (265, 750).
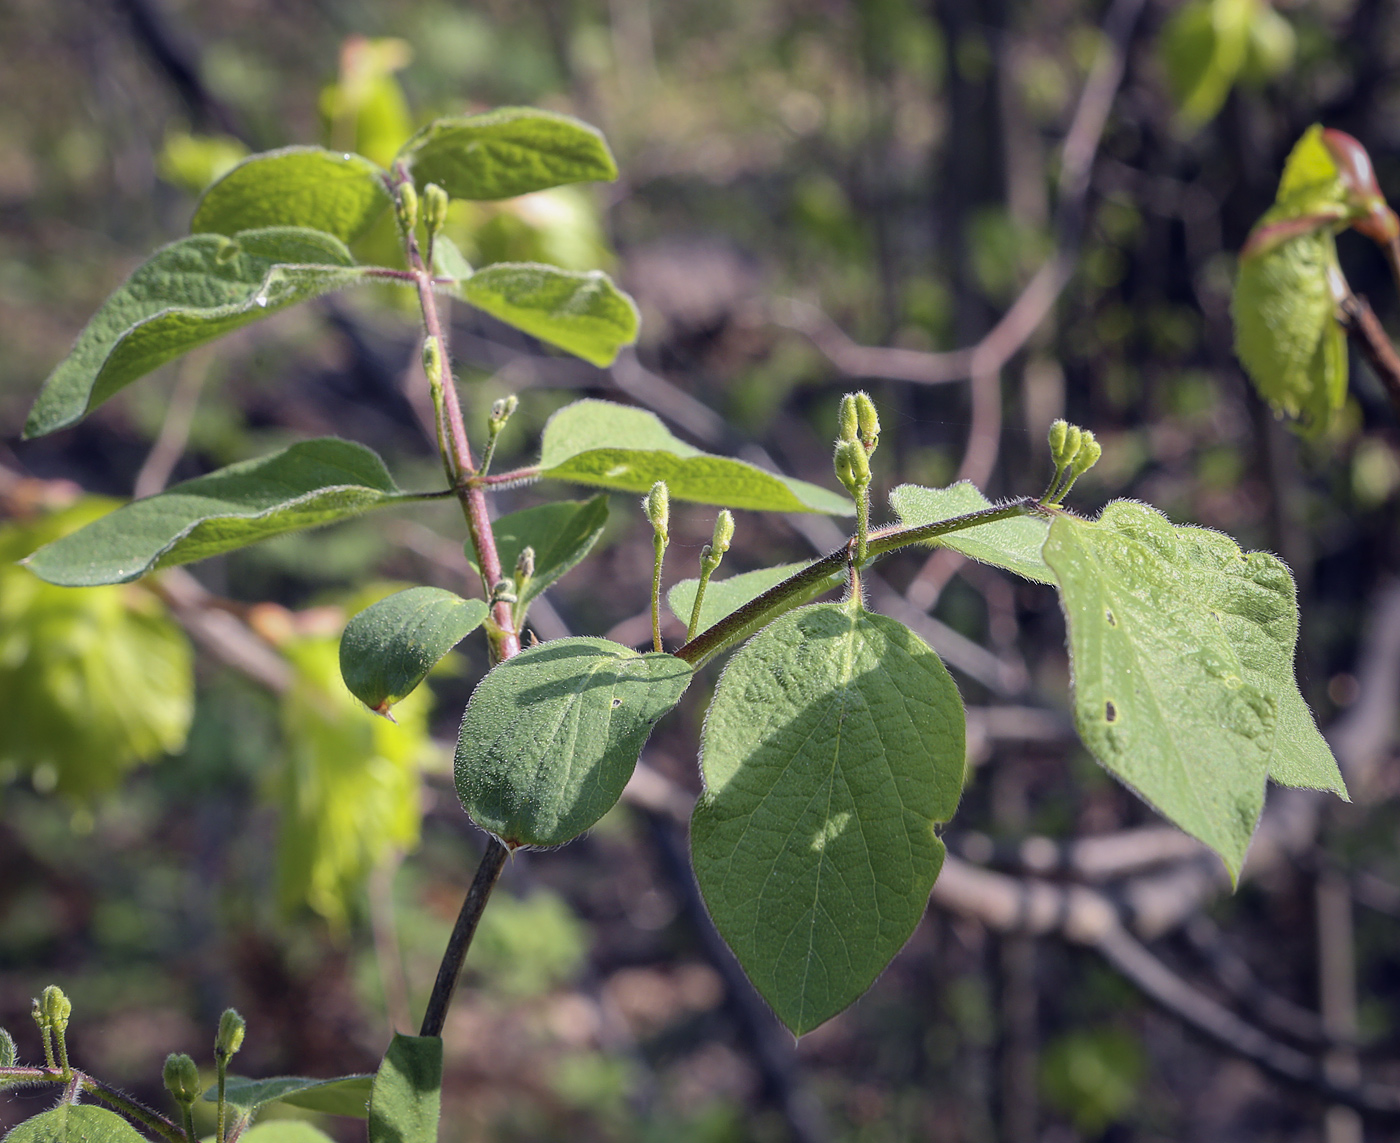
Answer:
(525, 564)
(8, 1055)
(501, 411)
(852, 466)
(56, 1007)
(869, 421)
(434, 207)
(724, 531)
(407, 206)
(658, 509)
(432, 361)
(182, 1078)
(230, 1037)
(848, 419)
(1088, 455)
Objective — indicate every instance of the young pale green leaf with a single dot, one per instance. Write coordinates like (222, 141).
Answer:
(551, 736)
(389, 647)
(1161, 695)
(331, 191)
(1310, 184)
(1204, 46)
(617, 446)
(1012, 544)
(346, 1095)
(407, 1095)
(184, 295)
(75, 1123)
(449, 261)
(303, 486)
(561, 534)
(725, 596)
(1254, 599)
(834, 746)
(285, 1131)
(507, 152)
(1286, 332)
(581, 312)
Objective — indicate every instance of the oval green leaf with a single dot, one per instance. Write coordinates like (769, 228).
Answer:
(834, 746)
(550, 737)
(581, 312)
(389, 647)
(75, 1123)
(285, 1131)
(345, 1095)
(1163, 696)
(1011, 544)
(561, 534)
(332, 191)
(407, 1095)
(617, 446)
(304, 485)
(507, 152)
(1203, 47)
(723, 597)
(184, 295)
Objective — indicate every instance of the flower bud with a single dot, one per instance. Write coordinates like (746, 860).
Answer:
(1088, 455)
(847, 419)
(525, 564)
(432, 361)
(852, 466)
(1058, 429)
(56, 1007)
(724, 531)
(407, 206)
(182, 1078)
(658, 509)
(501, 411)
(230, 1037)
(503, 591)
(434, 207)
(869, 421)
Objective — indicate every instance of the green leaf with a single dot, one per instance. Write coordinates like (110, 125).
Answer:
(1011, 544)
(580, 311)
(561, 533)
(1255, 600)
(617, 446)
(184, 295)
(75, 1123)
(407, 1092)
(551, 736)
(507, 152)
(1203, 46)
(1162, 696)
(7, 1049)
(389, 647)
(331, 191)
(725, 596)
(834, 746)
(1286, 331)
(344, 1095)
(286, 1131)
(1310, 183)
(303, 486)
(449, 261)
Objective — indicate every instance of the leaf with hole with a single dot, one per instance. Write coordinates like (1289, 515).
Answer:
(507, 152)
(834, 747)
(305, 485)
(185, 294)
(345, 1095)
(1012, 544)
(1181, 705)
(561, 534)
(723, 597)
(580, 311)
(388, 648)
(617, 446)
(407, 1095)
(332, 191)
(551, 736)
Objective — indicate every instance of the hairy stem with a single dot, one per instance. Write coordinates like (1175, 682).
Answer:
(139, 1112)
(487, 874)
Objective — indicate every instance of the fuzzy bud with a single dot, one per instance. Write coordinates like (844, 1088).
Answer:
(182, 1078)
(848, 419)
(1068, 446)
(658, 509)
(56, 1007)
(1087, 456)
(407, 206)
(432, 361)
(230, 1037)
(724, 531)
(852, 466)
(434, 207)
(503, 591)
(1058, 429)
(869, 421)
(525, 564)
(8, 1055)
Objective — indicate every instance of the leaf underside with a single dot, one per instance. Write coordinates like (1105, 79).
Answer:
(305, 485)
(834, 746)
(561, 534)
(551, 736)
(617, 446)
(389, 647)
(1012, 544)
(186, 294)
(723, 597)
(346, 1095)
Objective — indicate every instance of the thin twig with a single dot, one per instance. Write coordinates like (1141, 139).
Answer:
(175, 431)
(1365, 329)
